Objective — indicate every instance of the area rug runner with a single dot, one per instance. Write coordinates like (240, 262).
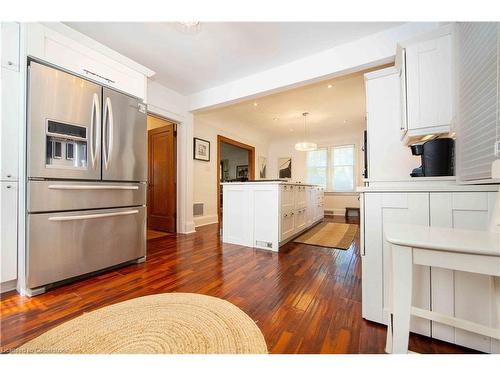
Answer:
(176, 323)
(334, 235)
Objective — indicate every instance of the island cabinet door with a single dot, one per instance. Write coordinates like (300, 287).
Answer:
(381, 209)
(287, 225)
(310, 205)
(300, 218)
(287, 198)
(463, 294)
(300, 197)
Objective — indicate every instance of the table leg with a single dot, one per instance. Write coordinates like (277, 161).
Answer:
(388, 341)
(402, 269)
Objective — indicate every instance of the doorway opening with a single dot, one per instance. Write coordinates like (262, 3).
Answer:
(235, 162)
(162, 176)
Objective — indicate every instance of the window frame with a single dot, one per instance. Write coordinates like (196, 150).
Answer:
(327, 165)
(330, 167)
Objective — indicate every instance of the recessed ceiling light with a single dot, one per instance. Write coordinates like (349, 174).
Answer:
(329, 86)
(345, 121)
(275, 119)
(191, 27)
(255, 104)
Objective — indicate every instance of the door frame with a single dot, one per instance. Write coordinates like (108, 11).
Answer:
(175, 124)
(251, 163)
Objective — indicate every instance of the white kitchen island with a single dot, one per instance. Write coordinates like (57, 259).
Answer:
(266, 214)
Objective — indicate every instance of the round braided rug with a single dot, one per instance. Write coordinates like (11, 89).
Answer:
(176, 323)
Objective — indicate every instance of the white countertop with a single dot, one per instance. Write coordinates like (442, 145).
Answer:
(261, 182)
(423, 188)
(445, 239)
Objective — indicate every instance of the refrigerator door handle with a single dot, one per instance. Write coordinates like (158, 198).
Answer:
(94, 122)
(108, 132)
(92, 216)
(92, 187)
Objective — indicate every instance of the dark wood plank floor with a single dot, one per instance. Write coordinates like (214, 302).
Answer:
(305, 299)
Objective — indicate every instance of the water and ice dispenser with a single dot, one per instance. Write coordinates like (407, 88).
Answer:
(66, 145)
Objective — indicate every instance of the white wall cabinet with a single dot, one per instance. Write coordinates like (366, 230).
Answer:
(10, 45)
(77, 57)
(8, 225)
(388, 157)
(464, 295)
(427, 79)
(265, 215)
(10, 83)
(9, 131)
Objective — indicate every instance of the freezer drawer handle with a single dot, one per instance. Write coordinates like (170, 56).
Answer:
(92, 187)
(94, 216)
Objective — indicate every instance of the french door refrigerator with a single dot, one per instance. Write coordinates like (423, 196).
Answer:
(87, 173)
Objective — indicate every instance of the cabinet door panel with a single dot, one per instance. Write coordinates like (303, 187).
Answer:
(429, 80)
(287, 225)
(9, 132)
(236, 217)
(287, 198)
(414, 209)
(10, 45)
(459, 293)
(371, 267)
(8, 225)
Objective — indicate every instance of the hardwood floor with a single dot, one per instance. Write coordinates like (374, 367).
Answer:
(305, 299)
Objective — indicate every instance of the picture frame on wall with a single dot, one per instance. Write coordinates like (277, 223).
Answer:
(285, 167)
(201, 149)
(242, 172)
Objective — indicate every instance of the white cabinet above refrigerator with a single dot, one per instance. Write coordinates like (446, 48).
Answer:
(66, 48)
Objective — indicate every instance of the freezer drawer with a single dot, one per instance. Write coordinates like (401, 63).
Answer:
(64, 245)
(45, 196)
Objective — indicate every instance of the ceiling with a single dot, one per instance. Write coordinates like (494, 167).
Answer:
(340, 108)
(220, 51)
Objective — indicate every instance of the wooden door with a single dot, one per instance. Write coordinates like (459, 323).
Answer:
(161, 175)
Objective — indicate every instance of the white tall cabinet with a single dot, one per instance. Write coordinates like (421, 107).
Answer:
(10, 82)
(268, 214)
(388, 158)
(460, 294)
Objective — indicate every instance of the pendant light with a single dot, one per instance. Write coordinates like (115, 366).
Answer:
(304, 145)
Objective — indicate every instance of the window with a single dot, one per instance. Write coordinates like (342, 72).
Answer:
(342, 170)
(332, 168)
(317, 166)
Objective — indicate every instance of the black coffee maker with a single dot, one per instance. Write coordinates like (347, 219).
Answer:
(437, 158)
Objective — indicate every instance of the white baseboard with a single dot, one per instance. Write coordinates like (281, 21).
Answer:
(335, 211)
(200, 221)
(7, 286)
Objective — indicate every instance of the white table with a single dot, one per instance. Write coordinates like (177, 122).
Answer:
(462, 250)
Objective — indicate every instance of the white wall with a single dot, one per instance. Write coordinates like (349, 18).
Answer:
(285, 147)
(364, 53)
(170, 104)
(205, 173)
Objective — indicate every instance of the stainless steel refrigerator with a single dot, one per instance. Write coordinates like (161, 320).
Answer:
(87, 173)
